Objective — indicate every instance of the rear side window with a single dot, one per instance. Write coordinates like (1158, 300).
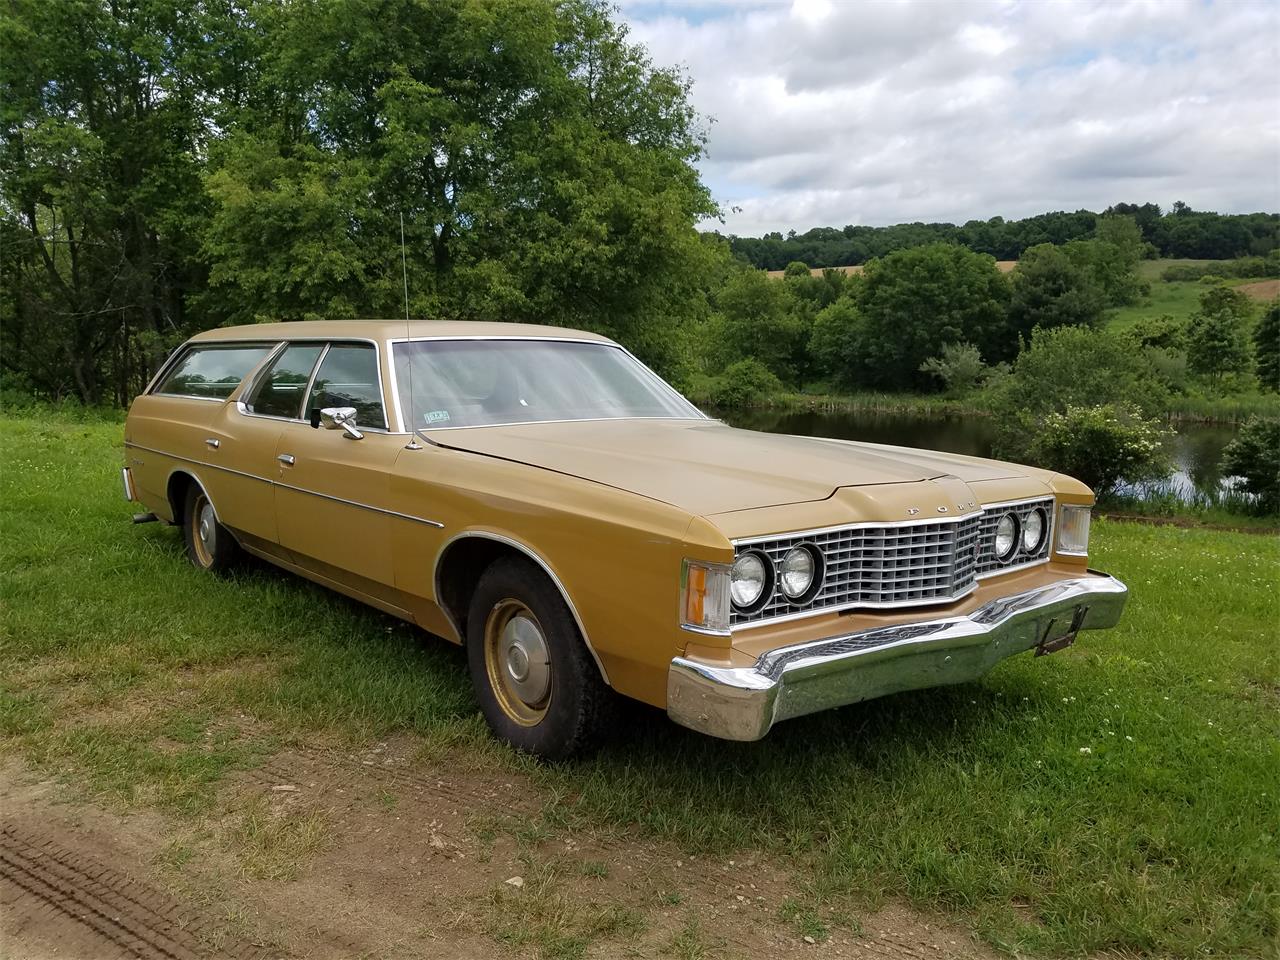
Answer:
(348, 377)
(213, 372)
(279, 393)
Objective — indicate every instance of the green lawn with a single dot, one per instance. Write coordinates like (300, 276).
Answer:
(1123, 795)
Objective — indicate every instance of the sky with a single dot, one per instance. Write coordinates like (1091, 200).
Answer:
(835, 112)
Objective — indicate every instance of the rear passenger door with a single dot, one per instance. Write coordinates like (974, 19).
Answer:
(332, 497)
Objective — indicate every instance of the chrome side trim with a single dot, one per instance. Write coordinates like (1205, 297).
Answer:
(743, 703)
(364, 506)
(532, 555)
(276, 483)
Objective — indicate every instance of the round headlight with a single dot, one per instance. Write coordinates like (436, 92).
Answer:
(1033, 527)
(1006, 537)
(749, 580)
(800, 572)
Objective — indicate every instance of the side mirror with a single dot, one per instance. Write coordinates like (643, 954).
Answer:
(341, 418)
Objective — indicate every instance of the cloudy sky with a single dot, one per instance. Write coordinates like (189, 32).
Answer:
(829, 112)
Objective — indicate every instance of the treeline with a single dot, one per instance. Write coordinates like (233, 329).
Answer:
(1180, 233)
(172, 165)
(1032, 346)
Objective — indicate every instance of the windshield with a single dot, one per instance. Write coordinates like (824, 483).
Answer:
(479, 383)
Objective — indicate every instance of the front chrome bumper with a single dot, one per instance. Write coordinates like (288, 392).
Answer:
(743, 703)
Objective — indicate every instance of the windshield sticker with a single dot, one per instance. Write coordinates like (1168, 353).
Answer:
(436, 416)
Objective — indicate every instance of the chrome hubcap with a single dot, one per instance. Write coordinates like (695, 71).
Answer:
(207, 521)
(528, 667)
(518, 662)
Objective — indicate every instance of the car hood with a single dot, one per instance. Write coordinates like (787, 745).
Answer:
(706, 467)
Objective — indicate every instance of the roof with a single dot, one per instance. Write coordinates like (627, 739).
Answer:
(392, 329)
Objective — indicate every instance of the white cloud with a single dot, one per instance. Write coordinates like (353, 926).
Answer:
(828, 112)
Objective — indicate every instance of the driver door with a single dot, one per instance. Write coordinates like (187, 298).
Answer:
(333, 491)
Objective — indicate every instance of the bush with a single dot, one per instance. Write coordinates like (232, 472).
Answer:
(1101, 446)
(742, 383)
(1254, 455)
(960, 368)
(1244, 268)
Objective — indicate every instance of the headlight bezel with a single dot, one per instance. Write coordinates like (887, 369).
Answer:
(1033, 549)
(811, 590)
(1015, 538)
(768, 583)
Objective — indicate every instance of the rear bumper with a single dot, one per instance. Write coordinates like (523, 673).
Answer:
(743, 703)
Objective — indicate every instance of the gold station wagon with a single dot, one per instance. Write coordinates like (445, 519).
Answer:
(541, 497)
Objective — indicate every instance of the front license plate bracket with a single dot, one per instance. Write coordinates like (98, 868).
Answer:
(1056, 638)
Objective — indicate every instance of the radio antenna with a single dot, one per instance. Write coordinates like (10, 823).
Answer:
(404, 272)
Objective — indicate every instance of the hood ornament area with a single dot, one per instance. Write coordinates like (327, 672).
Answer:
(912, 511)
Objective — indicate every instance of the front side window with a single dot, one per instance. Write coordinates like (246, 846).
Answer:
(349, 377)
(475, 383)
(279, 392)
(213, 372)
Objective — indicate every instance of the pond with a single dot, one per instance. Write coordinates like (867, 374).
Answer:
(1195, 449)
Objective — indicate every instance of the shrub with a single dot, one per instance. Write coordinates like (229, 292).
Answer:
(742, 384)
(1101, 445)
(1254, 455)
(1050, 289)
(959, 367)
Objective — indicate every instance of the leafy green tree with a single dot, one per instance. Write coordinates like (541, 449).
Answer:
(959, 367)
(542, 164)
(914, 301)
(1050, 289)
(102, 127)
(835, 342)
(1112, 267)
(757, 319)
(1266, 347)
(1254, 455)
(1217, 333)
(1101, 446)
(797, 268)
(1072, 367)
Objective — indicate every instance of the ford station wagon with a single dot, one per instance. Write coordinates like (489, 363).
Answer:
(542, 498)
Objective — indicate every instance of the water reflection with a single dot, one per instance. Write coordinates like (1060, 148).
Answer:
(1195, 449)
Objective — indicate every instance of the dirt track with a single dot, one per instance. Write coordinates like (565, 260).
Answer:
(411, 862)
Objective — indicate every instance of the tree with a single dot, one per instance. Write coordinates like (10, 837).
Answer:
(959, 367)
(1266, 347)
(835, 341)
(797, 268)
(1254, 455)
(1051, 290)
(1217, 338)
(914, 301)
(756, 318)
(101, 131)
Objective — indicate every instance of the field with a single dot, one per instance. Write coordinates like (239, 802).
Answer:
(288, 773)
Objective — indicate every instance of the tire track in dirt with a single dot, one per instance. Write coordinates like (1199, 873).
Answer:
(81, 907)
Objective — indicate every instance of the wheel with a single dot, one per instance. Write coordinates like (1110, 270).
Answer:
(209, 545)
(537, 684)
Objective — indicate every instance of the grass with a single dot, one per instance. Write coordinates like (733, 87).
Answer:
(1121, 795)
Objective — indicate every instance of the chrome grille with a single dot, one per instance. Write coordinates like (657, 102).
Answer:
(879, 566)
(987, 562)
(899, 565)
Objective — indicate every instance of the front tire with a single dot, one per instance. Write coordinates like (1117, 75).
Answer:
(537, 684)
(210, 545)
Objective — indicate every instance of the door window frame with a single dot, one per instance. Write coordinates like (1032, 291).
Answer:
(251, 384)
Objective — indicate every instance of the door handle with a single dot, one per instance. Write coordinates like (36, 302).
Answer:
(286, 459)
(213, 443)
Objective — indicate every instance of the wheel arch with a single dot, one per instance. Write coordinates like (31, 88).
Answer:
(176, 493)
(471, 551)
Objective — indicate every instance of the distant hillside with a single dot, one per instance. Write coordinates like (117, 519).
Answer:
(1004, 266)
(1180, 233)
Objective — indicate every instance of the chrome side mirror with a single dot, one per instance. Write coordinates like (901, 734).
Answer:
(341, 418)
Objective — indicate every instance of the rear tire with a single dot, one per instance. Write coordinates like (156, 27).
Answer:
(537, 684)
(210, 545)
